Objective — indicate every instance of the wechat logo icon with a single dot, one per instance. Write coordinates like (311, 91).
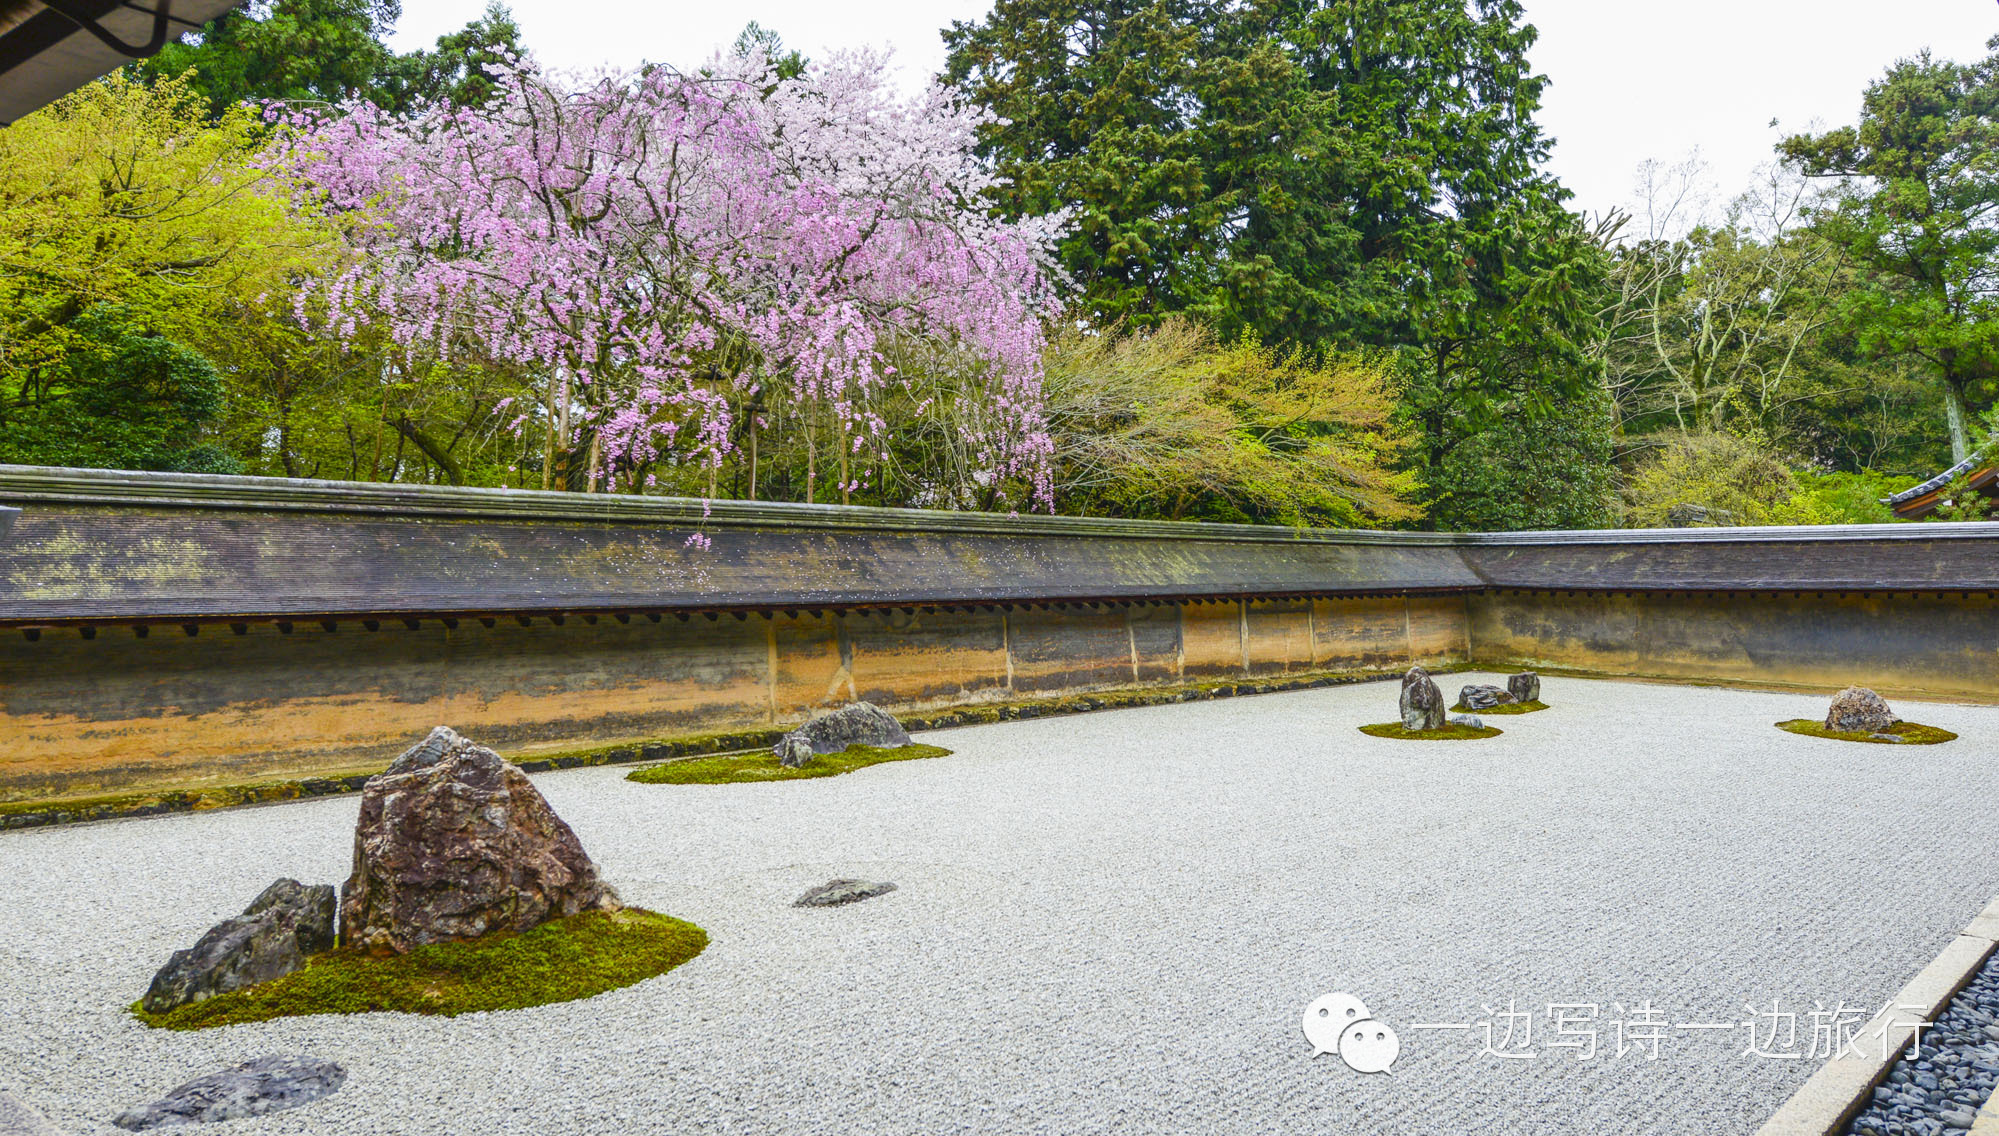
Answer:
(1340, 1023)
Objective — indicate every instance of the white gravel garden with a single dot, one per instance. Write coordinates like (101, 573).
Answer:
(1109, 923)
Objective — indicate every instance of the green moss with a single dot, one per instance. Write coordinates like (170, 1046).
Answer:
(1508, 708)
(1909, 732)
(558, 961)
(1449, 733)
(730, 769)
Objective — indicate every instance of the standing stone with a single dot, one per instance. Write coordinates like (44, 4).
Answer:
(282, 926)
(1525, 686)
(1859, 710)
(856, 723)
(1422, 702)
(455, 842)
(16, 1118)
(1483, 697)
(267, 1084)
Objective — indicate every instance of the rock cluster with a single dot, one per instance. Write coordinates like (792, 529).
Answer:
(1484, 697)
(833, 893)
(1955, 1070)
(267, 1084)
(455, 842)
(273, 937)
(1422, 703)
(857, 723)
(1859, 710)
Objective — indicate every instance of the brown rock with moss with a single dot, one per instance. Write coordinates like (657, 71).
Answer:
(1859, 710)
(453, 843)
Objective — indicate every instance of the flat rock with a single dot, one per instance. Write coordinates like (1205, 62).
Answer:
(856, 723)
(1422, 704)
(455, 842)
(267, 1084)
(282, 927)
(1859, 710)
(1483, 696)
(1524, 687)
(1467, 720)
(17, 1119)
(1896, 738)
(833, 893)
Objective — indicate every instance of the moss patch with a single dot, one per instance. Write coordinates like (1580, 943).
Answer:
(558, 961)
(1508, 708)
(1449, 733)
(731, 769)
(1909, 732)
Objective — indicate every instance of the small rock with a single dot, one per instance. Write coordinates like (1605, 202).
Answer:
(455, 842)
(1467, 721)
(1525, 686)
(1483, 696)
(793, 751)
(1422, 703)
(273, 937)
(1958, 1118)
(1859, 710)
(836, 892)
(856, 723)
(267, 1084)
(1896, 738)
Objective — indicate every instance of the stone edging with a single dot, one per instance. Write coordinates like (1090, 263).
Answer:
(1842, 1086)
(703, 745)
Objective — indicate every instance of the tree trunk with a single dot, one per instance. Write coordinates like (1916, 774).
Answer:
(431, 449)
(1956, 412)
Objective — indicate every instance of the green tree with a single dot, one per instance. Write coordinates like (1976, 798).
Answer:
(123, 397)
(1918, 210)
(332, 50)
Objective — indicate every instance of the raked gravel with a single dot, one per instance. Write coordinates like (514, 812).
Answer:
(1107, 923)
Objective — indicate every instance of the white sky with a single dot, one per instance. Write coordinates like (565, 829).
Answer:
(1630, 81)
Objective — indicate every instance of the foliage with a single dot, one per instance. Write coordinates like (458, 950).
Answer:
(330, 51)
(1909, 732)
(1170, 424)
(1451, 732)
(1840, 498)
(1917, 208)
(128, 221)
(1737, 481)
(121, 397)
(695, 258)
(734, 769)
(560, 961)
(1318, 175)
(1528, 471)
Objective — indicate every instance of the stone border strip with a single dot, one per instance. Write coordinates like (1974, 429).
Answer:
(1987, 1123)
(1842, 1086)
(37, 814)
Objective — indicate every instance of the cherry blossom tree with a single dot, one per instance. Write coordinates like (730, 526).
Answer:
(691, 259)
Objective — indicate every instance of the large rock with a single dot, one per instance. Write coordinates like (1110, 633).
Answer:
(1859, 710)
(856, 723)
(454, 842)
(267, 1084)
(1483, 696)
(286, 923)
(16, 1118)
(1524, 687)
(1422, 702)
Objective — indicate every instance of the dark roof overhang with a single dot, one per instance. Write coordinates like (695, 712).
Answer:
(49, 48)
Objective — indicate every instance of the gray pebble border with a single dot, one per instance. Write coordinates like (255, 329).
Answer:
(1957, 1067)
